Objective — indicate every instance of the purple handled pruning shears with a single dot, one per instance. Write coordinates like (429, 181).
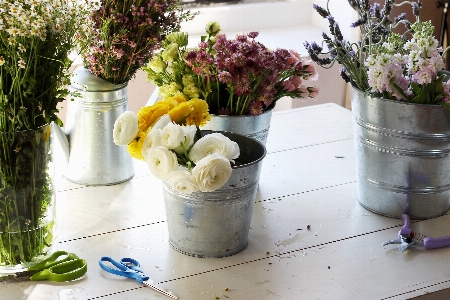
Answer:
(406, 238)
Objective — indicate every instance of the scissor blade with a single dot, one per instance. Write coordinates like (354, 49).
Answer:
(405, 246)
(396, 241)
(168, 294)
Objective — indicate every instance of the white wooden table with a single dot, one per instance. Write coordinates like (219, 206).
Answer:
(308, 178)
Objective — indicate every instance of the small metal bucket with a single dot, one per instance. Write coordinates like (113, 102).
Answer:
(216, 224)
(256, 127)
(93, 158)
(402, 157)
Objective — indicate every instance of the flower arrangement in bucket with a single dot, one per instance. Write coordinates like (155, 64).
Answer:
(175, 153)
(210, 178)
(234, 76)
(400, 102)
(386, 64)
(125, 34)
(37, 38)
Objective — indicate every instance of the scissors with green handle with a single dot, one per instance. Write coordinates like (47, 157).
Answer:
(61, 266)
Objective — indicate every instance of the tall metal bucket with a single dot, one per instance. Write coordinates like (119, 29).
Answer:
(216, 224)
(402, 157)
(94, 159)
(256, 127)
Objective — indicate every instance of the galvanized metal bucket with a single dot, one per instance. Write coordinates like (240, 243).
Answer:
(402, 157)
(216, 224)
(256, 127)
(93, 158)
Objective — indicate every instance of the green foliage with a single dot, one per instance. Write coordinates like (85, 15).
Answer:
(26, 194)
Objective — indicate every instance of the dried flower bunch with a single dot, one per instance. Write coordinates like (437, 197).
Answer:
(126, 33)
(235, 76)
(386, 64)
(166, 135)
(36, 39)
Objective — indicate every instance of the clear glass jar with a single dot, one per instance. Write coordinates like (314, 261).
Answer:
(27, 198)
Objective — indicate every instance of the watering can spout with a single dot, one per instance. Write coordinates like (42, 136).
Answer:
(61, 142)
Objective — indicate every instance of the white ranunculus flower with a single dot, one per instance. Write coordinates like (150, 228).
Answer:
(212, 172)
(189, 135)
(172, 136)
(214, 143)
(152, 139)
(162, 122)
(125, 128)
(182, 181)
(161, 161)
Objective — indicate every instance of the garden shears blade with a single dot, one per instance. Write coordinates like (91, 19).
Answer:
(61, 266)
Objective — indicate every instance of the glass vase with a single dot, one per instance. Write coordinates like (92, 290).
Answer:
(27, 200)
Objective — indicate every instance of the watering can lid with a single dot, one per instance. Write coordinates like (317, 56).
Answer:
(84, 80)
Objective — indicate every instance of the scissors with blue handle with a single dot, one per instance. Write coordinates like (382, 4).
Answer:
(61, 266)
(130, 268)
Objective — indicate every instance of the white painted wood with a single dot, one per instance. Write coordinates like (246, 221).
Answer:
(302, 183)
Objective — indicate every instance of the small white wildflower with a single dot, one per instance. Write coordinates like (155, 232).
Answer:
(21, 64)
(2, 61)
(21, 48)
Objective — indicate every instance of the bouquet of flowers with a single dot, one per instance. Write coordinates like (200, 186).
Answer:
(166, 135)
(125, 34)
(386, 64)
(36, 39)
(236, 77)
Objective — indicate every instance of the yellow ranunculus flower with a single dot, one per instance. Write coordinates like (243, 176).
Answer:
(178, 99)
(200, 115)
(135, 147)
(149, 114)
(181, 112)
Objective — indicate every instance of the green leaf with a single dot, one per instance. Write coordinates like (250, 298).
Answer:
(415, 88)
(421, 97)
(438, 85)
(399, 90)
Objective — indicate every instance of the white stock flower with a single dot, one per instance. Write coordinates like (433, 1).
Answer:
(189, 136)
(214, 143)
(152, 139)
(125, 128)
(161, 162)
(172, 136)
(212, 172)
(182, 181)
